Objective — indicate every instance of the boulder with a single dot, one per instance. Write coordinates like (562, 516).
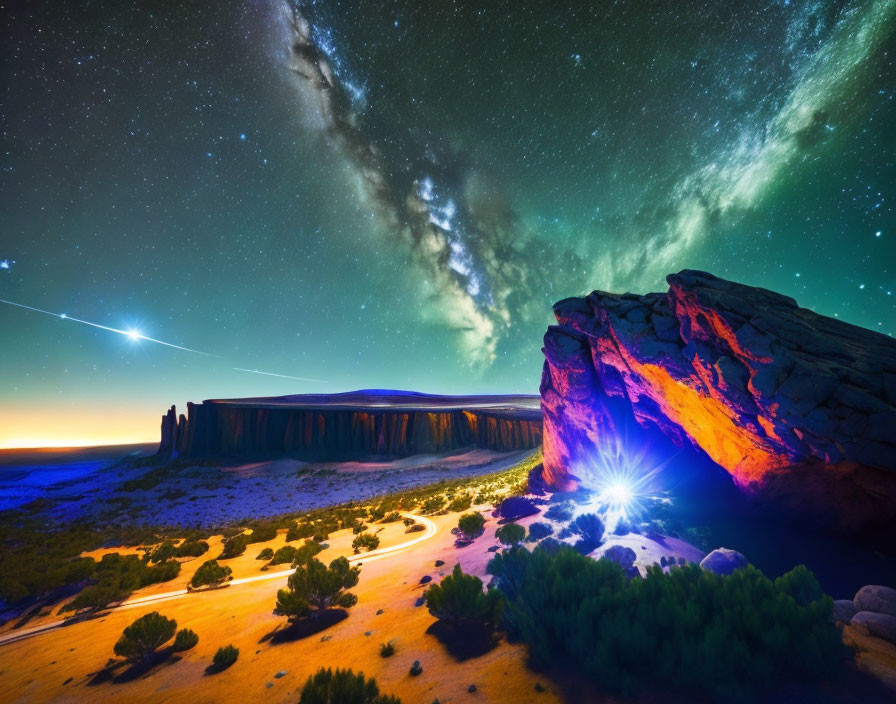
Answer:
(844, 610)
(875, 598)
(515, 507)
(880, 625)
(723, 561)
(797, 407)
(621, 555)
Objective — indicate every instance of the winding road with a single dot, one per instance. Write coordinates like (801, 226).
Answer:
(373, 555)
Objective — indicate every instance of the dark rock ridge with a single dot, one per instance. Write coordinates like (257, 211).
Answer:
(351, 425)
(799, 408)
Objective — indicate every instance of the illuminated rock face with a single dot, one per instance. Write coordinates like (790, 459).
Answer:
(349, 426)
(797, 407)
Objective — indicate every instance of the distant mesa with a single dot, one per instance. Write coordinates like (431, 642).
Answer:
(799, 408)
(352, 425)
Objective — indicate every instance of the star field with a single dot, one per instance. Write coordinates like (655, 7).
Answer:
(393, 194)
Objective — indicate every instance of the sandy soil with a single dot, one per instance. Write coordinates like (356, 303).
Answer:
(59, 665)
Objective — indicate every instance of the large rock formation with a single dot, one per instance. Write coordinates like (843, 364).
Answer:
(797, 407)
(351, 425)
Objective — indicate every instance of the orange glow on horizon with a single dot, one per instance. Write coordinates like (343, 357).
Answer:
(30, 427)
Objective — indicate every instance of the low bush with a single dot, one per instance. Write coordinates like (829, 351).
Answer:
(358, 527)
(387, 650)
(510, 534)
(471, 525)
(297, 531)
(365, 541)
(343, 687)
(391, 517)
(306, 552)
(116, 576)
(539, 530)
(415, 528)
(262, 533)
(559, 512)
(184, 640)
(460, 601)
(225, 657)
(314, 588)
(460, 503)
(191, 548)
(265, 554)
(591, 530)
(283, 555)
(433, 504)
(713, 636)
(165, 551)
(140, 641)
(234, 547)
(211, 574)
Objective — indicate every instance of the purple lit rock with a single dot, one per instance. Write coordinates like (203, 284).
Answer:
(876, 598)
(798, 408)
(723, 561)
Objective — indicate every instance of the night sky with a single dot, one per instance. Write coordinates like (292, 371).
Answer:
(392, 194)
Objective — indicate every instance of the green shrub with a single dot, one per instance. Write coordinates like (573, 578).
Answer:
(210, 574)
(510, 534)
(471, 525)
(234, 547)
(433, 504)
(387, 650)
(116, 576)
(365, 541)
(460, 503)
(145, 636)
(265, 554)
(297, 531)
(408, 521)
(191, 548)
(343, 687)
(225, 657)
(688, 629)
(97, 597)
(539, 530)
(415, 528)
(165, 551)
(262, 533)
(393, 517)
(306, 552)
(184, 640)
(591, 530)
(284, 555)
(314, 588)
(460, 602)
(358, 527)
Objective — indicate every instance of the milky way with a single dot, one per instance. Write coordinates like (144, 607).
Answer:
(389, 194)
(478, 256)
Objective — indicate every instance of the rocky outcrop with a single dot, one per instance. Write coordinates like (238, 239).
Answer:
(347, 426)
(723, 561)
(799, 408)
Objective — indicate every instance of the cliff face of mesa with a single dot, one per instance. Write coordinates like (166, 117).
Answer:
(799, 408)
(343, 431)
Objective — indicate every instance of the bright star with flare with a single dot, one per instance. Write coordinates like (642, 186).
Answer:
(622, 482)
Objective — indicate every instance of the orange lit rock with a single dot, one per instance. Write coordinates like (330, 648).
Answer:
(797, 407)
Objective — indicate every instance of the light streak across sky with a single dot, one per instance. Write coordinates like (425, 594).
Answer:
(136, 336)
(282, 376)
